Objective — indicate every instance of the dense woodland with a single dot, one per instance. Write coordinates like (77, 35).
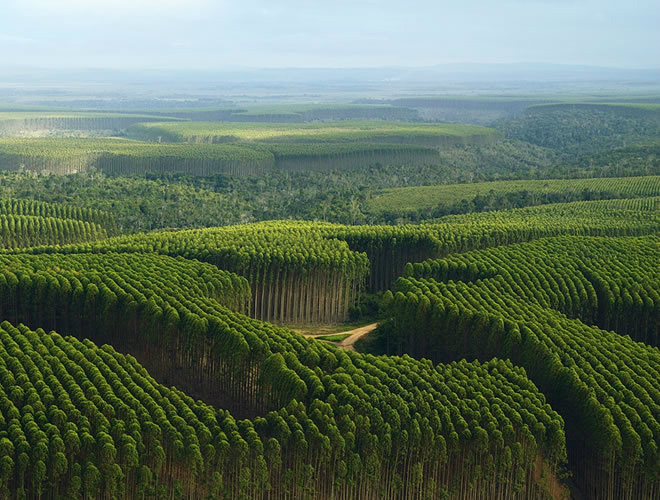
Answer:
(158, 201)
(583, 129)
(146, 351)
(335, 187)
(535, 303)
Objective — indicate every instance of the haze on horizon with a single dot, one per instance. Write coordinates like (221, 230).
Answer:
(220, 34)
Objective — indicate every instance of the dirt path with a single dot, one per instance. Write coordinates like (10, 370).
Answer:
(348, 342)
(357, 334)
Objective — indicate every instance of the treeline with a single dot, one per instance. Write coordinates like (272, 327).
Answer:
(55, 210)
(91, 423)
(29, 223)
(420, 134)
(390, 247)
(634, 160)
(577, 130)
(323, 157)
(458, 199)
(12, 124)
(294, 113)
(341, 195)
(297, 272)
(516, 302)
(479, 110)
(313, 272)
(20, 231)
(123, 157)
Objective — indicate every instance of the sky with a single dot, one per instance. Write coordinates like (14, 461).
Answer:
(222, 34)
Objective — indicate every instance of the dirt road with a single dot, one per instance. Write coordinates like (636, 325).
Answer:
(357, 334)
(348, 342)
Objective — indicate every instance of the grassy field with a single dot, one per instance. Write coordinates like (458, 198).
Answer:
(334, 338)
(423, 197)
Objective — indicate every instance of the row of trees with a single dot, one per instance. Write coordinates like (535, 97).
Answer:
(16, 123)
(120, 164)
(517, 302)
(57, 210)
(91, 423)
(422, 134)
(597, 282)
(239, 161)
(389, 248)
(19, 231)
(296, 273)
(422, 202)
(117, 157)
(27, 223)
(294, 113)
(321, 156)
(94, 293)
(303, 272)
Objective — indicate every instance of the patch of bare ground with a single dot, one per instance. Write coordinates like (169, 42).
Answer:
(348, 342)
(548, 479)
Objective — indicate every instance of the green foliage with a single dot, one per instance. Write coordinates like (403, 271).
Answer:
(532, 192)
(580, 129)
(134, 204)
(316, 421)
(333, 338)
(534, 303)
(298, 272)
(636, 159)
(137, 436)
(320, 132)
(42, 209)
(316, 193)
(121, 157)
(124, 157)
(304, 147)
(290, 113)
(313, 272)
(25, 223)
(110, 398)
(13, 123)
